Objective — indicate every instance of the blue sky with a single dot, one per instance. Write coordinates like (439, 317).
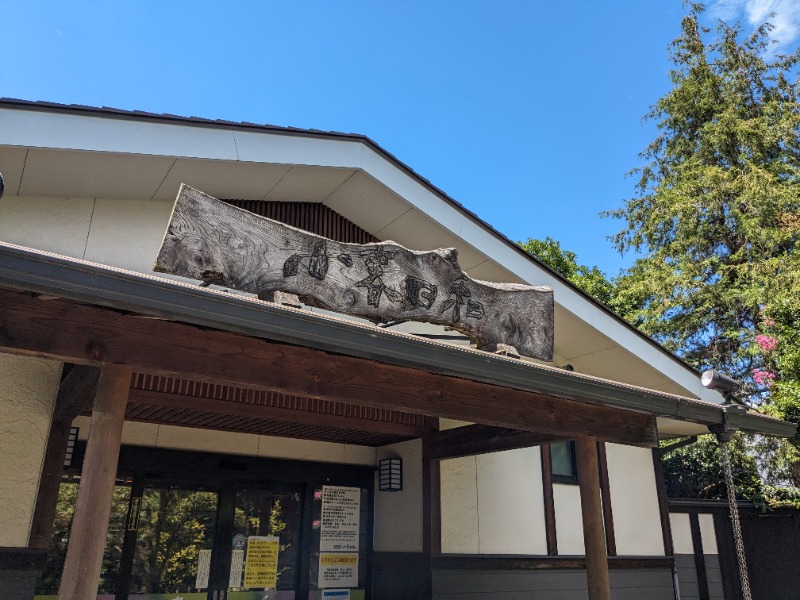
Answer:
(528, 113)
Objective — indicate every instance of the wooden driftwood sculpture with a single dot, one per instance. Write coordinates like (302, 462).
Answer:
(217, 243)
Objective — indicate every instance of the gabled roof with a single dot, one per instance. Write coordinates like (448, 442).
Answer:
(356, 177)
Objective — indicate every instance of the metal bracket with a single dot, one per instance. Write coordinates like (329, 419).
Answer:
(724, 431)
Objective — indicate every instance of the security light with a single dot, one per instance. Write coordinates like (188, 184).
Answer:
(714, 380)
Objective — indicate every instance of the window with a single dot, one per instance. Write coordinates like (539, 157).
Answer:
(562, 462)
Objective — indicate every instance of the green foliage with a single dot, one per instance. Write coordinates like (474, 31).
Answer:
(715, 216)
(590, 279)
(173, 526)
(695, 471)
(716, 222)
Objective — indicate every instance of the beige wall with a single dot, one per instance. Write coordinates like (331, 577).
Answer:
(493, 504)
(634, 500)
(227, 442)
(569, 519)
(120, 233)
(27, 396)
(398, 515)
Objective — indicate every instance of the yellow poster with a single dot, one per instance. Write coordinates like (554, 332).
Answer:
(261, 564)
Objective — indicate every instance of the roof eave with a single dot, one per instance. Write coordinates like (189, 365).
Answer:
(45, 273)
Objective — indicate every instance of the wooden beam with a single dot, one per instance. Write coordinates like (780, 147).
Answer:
(214, 242)
(88, 334)
(605, 494)
(594, 538)
(75, 394)
(258, 411)
(87, 538)
(663, 504)
(432, 498)
(470, 440)
(549, 501)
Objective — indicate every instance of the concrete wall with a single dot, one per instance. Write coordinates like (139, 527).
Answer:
(27, 397)
(398, 515)
(493, 504)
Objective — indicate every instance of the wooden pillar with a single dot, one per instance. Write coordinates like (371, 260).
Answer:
(93, 508)
(594, 538)
(431, 510)
(75, 394)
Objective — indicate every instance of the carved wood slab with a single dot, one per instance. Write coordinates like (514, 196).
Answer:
(217, 243)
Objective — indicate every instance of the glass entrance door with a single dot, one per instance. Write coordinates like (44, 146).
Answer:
(265, 545)
(175, 535)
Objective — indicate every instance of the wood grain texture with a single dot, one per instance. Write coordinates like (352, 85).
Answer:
(549, 501)
(217, 243)
(75, 394)
(87, 538)
(594, 539)
(482, 439)
(84, 334)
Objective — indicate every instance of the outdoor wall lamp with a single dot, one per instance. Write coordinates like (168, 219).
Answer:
(714, 380)
(390, 474)
(71, 441)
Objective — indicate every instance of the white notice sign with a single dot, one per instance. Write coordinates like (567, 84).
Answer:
(203, 568)
(339, 525)
(338, 569)
(237, 566)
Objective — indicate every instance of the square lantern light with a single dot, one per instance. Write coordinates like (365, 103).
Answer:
(390, 475)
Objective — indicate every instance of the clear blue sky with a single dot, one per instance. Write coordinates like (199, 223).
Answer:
(527, 112)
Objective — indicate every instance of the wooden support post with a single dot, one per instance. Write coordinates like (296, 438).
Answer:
(431, 507)
(93, 508)
(594, 538)
(549, 501)
(75, 393)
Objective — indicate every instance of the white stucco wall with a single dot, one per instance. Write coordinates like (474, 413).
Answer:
(121, 233)
(27, 397)
(459, 498)
(569, 519)
(681, 533)
(398, 515)
(228, 442)
(708, 533)
(634, 501)
(493, 504)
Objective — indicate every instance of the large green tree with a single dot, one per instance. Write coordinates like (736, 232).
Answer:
(565, 262)
(715, 220)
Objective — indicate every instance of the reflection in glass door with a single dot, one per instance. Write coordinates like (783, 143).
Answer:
(265, 545)
(173, 543)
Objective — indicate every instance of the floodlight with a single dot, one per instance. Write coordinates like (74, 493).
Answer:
(714, 380)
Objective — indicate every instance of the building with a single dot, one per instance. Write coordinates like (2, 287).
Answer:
(210, 423)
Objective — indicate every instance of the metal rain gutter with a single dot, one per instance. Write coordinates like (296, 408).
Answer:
(30, 270)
